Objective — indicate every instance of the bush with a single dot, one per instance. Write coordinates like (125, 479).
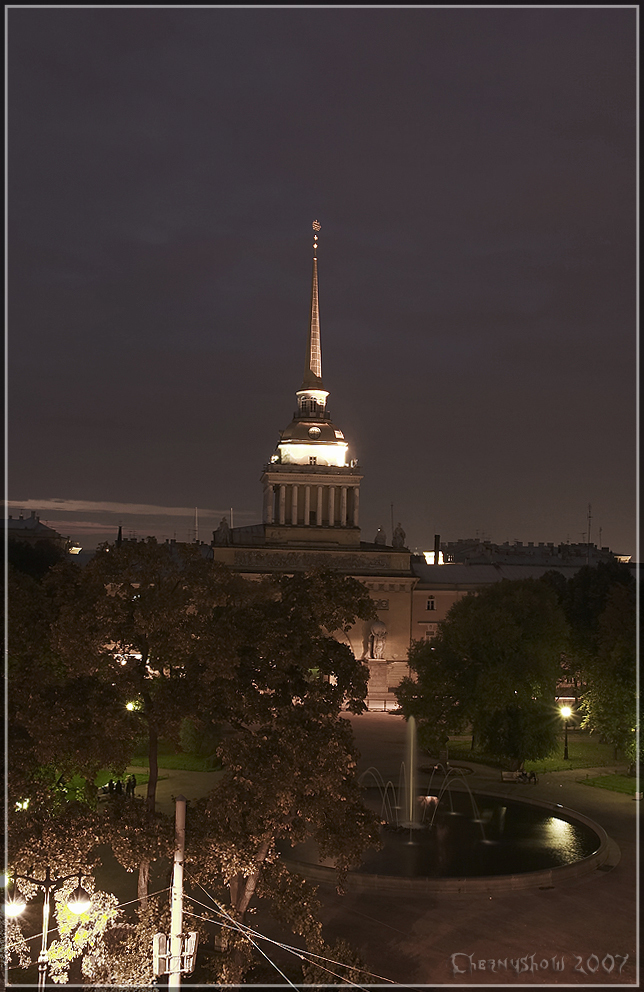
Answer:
(197, 738)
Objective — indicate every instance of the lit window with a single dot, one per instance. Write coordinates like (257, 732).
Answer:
(431, 603)
(312, 460)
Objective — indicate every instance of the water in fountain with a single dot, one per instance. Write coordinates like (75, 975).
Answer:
(442, 831)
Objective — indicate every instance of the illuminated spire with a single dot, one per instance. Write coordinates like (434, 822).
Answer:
(313, 368)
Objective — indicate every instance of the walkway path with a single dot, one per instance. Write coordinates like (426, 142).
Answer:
(589, 924)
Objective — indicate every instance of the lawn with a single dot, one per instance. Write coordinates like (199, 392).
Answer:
(616, 783)
(172, 757)
(584, 751)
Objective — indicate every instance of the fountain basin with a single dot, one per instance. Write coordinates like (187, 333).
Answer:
(500, 844)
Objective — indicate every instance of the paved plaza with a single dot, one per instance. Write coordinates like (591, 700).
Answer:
(578, 932)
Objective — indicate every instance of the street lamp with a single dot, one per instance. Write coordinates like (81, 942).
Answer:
(79, 902)
(565, 712)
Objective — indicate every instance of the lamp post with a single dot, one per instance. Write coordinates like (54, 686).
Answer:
(79, 902)
(565, 712)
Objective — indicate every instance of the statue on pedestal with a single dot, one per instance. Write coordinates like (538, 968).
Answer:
(377, 640)
(222, 534)
(381, 537)
(398, 540)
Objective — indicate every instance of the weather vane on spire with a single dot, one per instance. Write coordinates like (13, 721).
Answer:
(316, 227)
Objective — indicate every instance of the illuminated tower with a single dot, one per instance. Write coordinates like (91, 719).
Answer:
(311, 494)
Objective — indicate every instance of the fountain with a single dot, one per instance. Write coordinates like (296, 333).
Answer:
(450, 839)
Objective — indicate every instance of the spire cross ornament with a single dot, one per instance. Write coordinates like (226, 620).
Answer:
(316, 227)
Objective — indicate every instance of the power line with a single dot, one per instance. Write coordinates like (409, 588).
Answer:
(287, 947)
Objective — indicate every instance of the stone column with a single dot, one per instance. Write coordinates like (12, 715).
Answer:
(343, 506)
(356, 505)
(268, 505)
(318, 508)
(307, 505)
(294, 505)
(282, 504)
(331, 506)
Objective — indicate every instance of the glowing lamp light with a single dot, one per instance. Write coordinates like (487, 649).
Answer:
(79, 901)
(130, 706)
(565, 712)
(14, 905)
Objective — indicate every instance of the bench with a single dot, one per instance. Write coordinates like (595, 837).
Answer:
(519, 776)
(510, 776)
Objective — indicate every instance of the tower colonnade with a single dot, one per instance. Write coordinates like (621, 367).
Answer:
(312, 502)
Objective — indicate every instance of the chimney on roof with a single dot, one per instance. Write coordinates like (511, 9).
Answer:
(33, 514)
(437, 548)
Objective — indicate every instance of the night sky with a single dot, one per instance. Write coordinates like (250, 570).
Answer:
(474, 174)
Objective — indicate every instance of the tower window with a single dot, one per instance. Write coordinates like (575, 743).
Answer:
(431, 603)
(313, 460)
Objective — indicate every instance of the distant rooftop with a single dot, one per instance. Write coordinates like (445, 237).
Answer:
(472, 551)
(31, 529)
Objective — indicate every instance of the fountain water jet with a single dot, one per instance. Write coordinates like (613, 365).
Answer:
(411, 806)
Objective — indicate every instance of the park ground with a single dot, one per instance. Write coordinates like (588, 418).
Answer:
(589, 924)
(577, 932)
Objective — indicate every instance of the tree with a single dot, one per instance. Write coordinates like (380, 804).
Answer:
(184, 638)
(34, 559)
(57, 717)
(64, 725)
(600, 606)
(140, 617)
(494, 666)
(610, 700)
(585, 599)
(289, 762)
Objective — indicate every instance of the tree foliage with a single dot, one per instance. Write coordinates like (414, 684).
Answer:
(600, 606)
(610, 701)
(183, 639)
(493, 666)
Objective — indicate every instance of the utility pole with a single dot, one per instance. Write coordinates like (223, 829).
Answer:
(176, 922)
(231, 518)
(588, 552)
(391, 505)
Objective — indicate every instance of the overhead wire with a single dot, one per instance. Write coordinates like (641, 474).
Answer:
(287, 947)
(298, 952)
(239, 929)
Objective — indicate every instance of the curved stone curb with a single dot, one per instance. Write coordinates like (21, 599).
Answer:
(606, 856)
